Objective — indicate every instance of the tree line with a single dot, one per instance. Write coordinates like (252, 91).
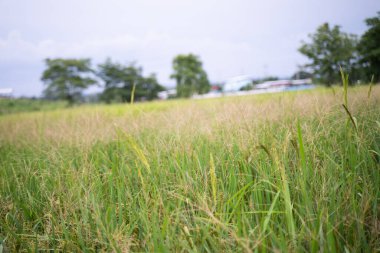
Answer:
(66, 79)
(329, 50)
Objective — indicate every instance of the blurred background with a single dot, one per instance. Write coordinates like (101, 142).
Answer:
(231, 41)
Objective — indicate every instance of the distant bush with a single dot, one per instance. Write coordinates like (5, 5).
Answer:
(8, 105)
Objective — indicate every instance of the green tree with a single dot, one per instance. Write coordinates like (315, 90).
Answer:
(301, 74)
(190, 76)
(119, 81)
(329, 50)
(67, 78)
(369, 48)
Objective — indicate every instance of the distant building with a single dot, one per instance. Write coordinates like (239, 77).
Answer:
(273, 84)
(233, 87)
(282, 83)
(302, 81)
(6, 92)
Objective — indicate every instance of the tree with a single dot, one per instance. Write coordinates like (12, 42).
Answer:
(119, 81)
(268, 78)
(369, 48)
(301, 74)
(189, 75)
(246, 87)
(67, 78)
(329, 50)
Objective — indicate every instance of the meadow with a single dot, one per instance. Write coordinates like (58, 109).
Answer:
(285, 172)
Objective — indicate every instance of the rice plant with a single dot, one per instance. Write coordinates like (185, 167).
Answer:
(289, 172)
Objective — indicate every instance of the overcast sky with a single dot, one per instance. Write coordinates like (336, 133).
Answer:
(240, 37)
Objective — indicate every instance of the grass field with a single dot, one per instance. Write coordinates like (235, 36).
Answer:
(290, 172)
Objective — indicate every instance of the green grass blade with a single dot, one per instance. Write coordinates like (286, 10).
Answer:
(344, 77)
(133, 93)
(370, 87)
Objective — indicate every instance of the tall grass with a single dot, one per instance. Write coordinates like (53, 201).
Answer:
(270, 173)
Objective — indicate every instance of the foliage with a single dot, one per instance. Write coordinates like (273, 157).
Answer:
(265, 79)
(369, 48)
(67, 78)
(247, 87)
(190, 76)
(268, 78)
(284, 172)
(330, 49)
(16, 105)
(119, 81)
(301, 74)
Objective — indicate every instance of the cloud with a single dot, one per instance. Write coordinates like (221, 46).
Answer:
(156, 50)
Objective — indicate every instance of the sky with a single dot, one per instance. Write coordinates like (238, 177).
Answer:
(232, 38)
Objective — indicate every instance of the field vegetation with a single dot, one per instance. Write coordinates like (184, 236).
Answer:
(12, 105)
(286, 172)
